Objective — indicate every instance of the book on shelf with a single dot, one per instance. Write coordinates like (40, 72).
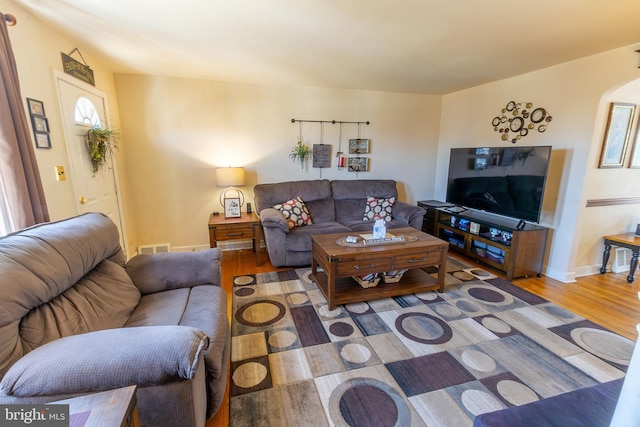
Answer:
(369, 239)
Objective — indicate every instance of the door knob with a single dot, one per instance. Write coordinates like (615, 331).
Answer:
(83, 200)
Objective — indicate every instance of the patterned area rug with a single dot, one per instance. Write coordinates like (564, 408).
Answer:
(422, 359)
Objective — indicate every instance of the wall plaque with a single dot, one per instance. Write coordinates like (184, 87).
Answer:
(77, 69)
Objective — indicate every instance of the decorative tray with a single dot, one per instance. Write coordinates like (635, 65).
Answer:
(362, 242)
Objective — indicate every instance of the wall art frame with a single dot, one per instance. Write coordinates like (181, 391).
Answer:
(39, 123)
(358, 164)
(36, 108)
(634, 161)
(232, 207)
(42, 140)
(359, 146)
(617, 135)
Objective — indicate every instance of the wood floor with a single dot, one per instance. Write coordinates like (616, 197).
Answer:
(606, 299)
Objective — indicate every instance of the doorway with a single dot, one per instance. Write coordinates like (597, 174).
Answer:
(83, 107)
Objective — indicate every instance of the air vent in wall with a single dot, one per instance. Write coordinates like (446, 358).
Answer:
(621, 260)
(154, 249)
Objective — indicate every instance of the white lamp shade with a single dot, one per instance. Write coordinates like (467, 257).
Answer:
(229, 177)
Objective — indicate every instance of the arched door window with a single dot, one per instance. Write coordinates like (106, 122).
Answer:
(85, 113)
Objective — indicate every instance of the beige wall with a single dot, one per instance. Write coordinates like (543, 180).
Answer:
(37, 49)
(177, 131)
(573, 93)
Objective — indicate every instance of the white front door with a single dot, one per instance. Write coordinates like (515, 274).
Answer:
(83, 107)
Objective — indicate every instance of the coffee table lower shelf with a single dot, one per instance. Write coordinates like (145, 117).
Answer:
(347, 290)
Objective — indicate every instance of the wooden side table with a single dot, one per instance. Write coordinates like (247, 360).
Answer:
(627, 240)
(113, 408)
(246, 227)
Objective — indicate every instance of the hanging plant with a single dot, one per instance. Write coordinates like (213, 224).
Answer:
(300, 152)
(101, 142)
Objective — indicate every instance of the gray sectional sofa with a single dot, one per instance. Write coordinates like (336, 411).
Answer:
(76, 319)
(335, 206)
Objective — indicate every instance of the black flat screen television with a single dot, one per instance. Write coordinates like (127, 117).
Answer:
(507, 181)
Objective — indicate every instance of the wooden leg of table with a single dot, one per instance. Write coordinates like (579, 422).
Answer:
(331, 285)
(634, 265)
(605, 258)
(257, 237)
(442, 271)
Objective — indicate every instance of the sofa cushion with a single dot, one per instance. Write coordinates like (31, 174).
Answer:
(315, 193)
(379, 209)
(41, 262)
(107, 359)
(299, 239)
(165, 271)
(102, 299)
(351, 196)
(295, 212)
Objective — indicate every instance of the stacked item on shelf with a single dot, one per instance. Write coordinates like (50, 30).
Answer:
(479, 248)
(453, 239)
(495, 254)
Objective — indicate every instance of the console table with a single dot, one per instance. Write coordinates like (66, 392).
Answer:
(627, 240)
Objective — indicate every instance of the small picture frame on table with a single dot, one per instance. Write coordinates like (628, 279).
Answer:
(617, 135)
(232, 207)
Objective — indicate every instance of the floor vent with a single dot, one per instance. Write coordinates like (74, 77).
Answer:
(621, 260)
(154, 249)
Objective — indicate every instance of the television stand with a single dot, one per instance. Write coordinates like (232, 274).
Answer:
(510, 246)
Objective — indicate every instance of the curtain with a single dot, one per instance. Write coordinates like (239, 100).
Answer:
(20, 184)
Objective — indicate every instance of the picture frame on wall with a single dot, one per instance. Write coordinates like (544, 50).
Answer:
(232, 207)
(42, 140)
(617, 135)
(358, 164)
(359, 146)
(40, 124)
(634, 162)
(36, 108)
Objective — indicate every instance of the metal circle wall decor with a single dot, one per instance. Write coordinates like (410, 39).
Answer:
(518, 119)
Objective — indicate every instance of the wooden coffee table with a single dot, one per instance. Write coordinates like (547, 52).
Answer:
(339, 263)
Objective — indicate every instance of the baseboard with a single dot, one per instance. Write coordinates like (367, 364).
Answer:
(561, 276)
(197, 248)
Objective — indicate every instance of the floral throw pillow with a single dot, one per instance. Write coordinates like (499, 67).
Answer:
(295, 212)
(378, 209)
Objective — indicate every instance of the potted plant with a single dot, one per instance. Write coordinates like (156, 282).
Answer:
(101, 142)
(301, 153)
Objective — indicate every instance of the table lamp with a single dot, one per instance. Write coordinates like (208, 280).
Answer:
(231, 178)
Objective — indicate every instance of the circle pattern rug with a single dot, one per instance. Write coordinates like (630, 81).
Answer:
(426, 359)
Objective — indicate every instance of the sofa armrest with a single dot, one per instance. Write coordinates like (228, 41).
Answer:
(273, 218)
(409, 213)
(107, 359)
(161, 272)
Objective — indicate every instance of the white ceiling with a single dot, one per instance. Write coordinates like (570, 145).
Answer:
(417, 46)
